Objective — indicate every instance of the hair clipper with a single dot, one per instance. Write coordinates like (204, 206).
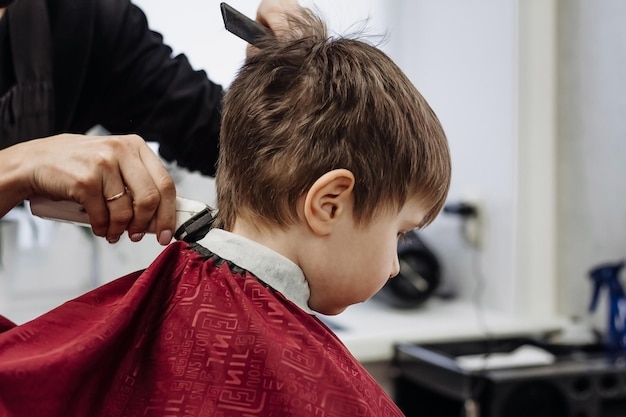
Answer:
(193, 218)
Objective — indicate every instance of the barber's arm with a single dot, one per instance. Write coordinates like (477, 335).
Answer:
(133, 84)
(118, 179)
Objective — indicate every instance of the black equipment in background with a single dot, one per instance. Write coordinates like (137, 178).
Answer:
(584, 381)
(419, 275)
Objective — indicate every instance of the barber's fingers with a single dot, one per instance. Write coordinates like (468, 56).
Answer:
(119, 206)
(165, 218)
(96, 209)
(152, 192)
(68, 167)
(273, 14)
(119, 180)
(100, 186)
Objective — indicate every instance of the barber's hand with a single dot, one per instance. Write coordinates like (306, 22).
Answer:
(272, 13)
(119, 180)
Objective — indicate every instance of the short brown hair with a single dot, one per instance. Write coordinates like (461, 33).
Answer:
(307, 104)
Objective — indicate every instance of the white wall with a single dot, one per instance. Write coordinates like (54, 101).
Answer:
(592, 146)
(463, 57)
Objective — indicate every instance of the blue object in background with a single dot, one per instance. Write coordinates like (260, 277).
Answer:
(607, 275)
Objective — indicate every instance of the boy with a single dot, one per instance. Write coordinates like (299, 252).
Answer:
(328, 154)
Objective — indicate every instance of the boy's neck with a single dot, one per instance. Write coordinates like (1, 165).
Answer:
(283, 241)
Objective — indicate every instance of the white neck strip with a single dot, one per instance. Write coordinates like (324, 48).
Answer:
(272, 268)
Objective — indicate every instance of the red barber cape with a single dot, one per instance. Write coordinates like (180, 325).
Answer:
(192, 335)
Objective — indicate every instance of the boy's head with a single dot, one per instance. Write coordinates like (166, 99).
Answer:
(307, 108)
(307, 104)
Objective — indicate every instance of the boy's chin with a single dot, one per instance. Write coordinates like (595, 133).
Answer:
(329, 311)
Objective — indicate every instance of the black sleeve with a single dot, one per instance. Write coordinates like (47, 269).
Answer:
(134, 85)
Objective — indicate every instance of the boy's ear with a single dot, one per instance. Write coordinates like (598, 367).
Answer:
(328, 198)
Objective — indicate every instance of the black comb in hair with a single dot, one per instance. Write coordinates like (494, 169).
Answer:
(242, 26)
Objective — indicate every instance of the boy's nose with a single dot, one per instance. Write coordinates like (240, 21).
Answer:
(395, 267)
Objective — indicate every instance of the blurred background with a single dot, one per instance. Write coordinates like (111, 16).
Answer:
(532, 96)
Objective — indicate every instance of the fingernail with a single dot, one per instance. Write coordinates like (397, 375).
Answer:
(136, 237)
(113, 240)
(165, 237)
